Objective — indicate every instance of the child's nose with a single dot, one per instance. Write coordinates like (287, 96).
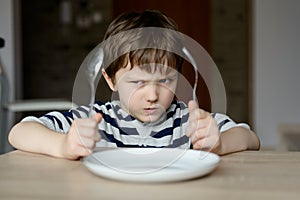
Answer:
(152, 92)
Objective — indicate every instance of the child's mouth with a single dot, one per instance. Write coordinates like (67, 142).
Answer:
(150, 111)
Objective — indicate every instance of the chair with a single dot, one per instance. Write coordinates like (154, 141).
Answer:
(7, 108)
(289, 137)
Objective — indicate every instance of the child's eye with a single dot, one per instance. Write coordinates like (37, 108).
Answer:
(165, 81)
(138, 82)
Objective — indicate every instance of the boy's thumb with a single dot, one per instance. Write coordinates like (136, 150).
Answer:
(97, 117)
(192, 105)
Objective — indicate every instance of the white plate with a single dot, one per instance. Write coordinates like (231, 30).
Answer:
(151, 164)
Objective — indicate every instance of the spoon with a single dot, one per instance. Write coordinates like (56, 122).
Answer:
(92, 71)
(187, 53)
(189, 56)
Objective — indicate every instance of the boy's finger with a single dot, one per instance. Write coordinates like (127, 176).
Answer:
(192, 105)
(97, 117)
(195, 112)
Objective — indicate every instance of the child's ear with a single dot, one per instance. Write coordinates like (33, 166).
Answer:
(109, 81)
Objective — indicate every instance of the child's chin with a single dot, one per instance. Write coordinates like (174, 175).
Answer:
(151, 119)
(148, 120)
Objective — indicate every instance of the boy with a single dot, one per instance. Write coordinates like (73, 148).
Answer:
(146, 114)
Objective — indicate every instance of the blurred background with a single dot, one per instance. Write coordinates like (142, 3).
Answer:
(254, 43)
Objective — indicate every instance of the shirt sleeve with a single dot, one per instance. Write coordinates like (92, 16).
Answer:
(225, 123)
(61, 121)
(55, 121)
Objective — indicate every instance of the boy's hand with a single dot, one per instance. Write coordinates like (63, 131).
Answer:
(202, 129)
(82, 137)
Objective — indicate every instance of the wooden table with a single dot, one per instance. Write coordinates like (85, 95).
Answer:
(244, 175)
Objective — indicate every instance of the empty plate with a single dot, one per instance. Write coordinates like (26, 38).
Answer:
(151, 164)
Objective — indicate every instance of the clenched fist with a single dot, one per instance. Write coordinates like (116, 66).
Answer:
(202, 129)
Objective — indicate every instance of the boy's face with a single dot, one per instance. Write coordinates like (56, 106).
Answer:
(145, 94)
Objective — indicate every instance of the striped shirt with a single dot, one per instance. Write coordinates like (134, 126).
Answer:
(119, 129)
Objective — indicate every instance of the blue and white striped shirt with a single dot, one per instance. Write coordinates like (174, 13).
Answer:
(119, 129)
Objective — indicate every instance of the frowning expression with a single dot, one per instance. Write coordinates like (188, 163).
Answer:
(146, 94)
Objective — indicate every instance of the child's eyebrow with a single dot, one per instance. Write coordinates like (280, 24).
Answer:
(133, 77)
(173, 74)
(142, 78)
(150, 78)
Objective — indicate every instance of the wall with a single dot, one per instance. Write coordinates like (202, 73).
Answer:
(7, 32)
(276, 70)
(230, 53)
(53, 50)
(10, 60)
